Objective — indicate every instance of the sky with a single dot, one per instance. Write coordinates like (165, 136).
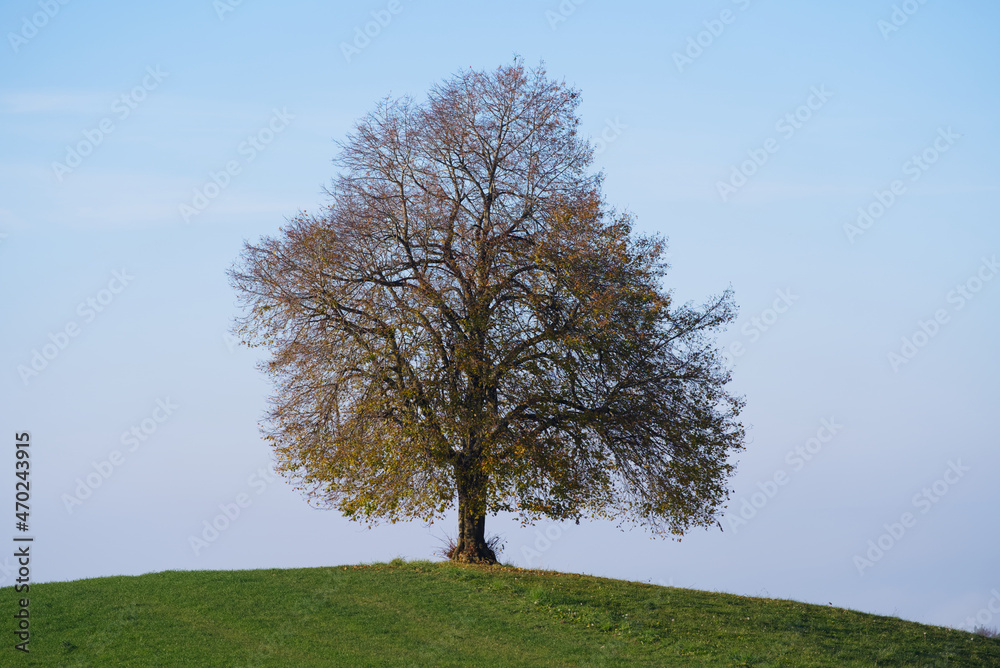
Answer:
(834, 163)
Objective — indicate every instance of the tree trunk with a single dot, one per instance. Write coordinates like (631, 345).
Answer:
(471, 545)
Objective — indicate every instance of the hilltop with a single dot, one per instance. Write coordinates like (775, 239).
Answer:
(441, 614)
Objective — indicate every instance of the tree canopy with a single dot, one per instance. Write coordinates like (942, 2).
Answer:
(468, 320)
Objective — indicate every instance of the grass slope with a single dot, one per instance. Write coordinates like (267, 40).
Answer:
(439, 614)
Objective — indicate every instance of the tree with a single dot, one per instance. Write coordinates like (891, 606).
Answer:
(469, 319)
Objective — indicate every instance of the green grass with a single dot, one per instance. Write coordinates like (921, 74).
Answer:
(439, 614)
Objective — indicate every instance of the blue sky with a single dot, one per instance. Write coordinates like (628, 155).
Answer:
(866, 349)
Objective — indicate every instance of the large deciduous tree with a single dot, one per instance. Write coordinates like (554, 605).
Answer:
(469, 319)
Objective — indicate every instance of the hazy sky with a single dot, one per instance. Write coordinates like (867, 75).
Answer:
(836, 163)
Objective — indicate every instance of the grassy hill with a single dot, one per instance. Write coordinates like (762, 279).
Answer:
(438, 614)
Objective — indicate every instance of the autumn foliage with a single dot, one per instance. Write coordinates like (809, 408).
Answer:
(469, 321)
